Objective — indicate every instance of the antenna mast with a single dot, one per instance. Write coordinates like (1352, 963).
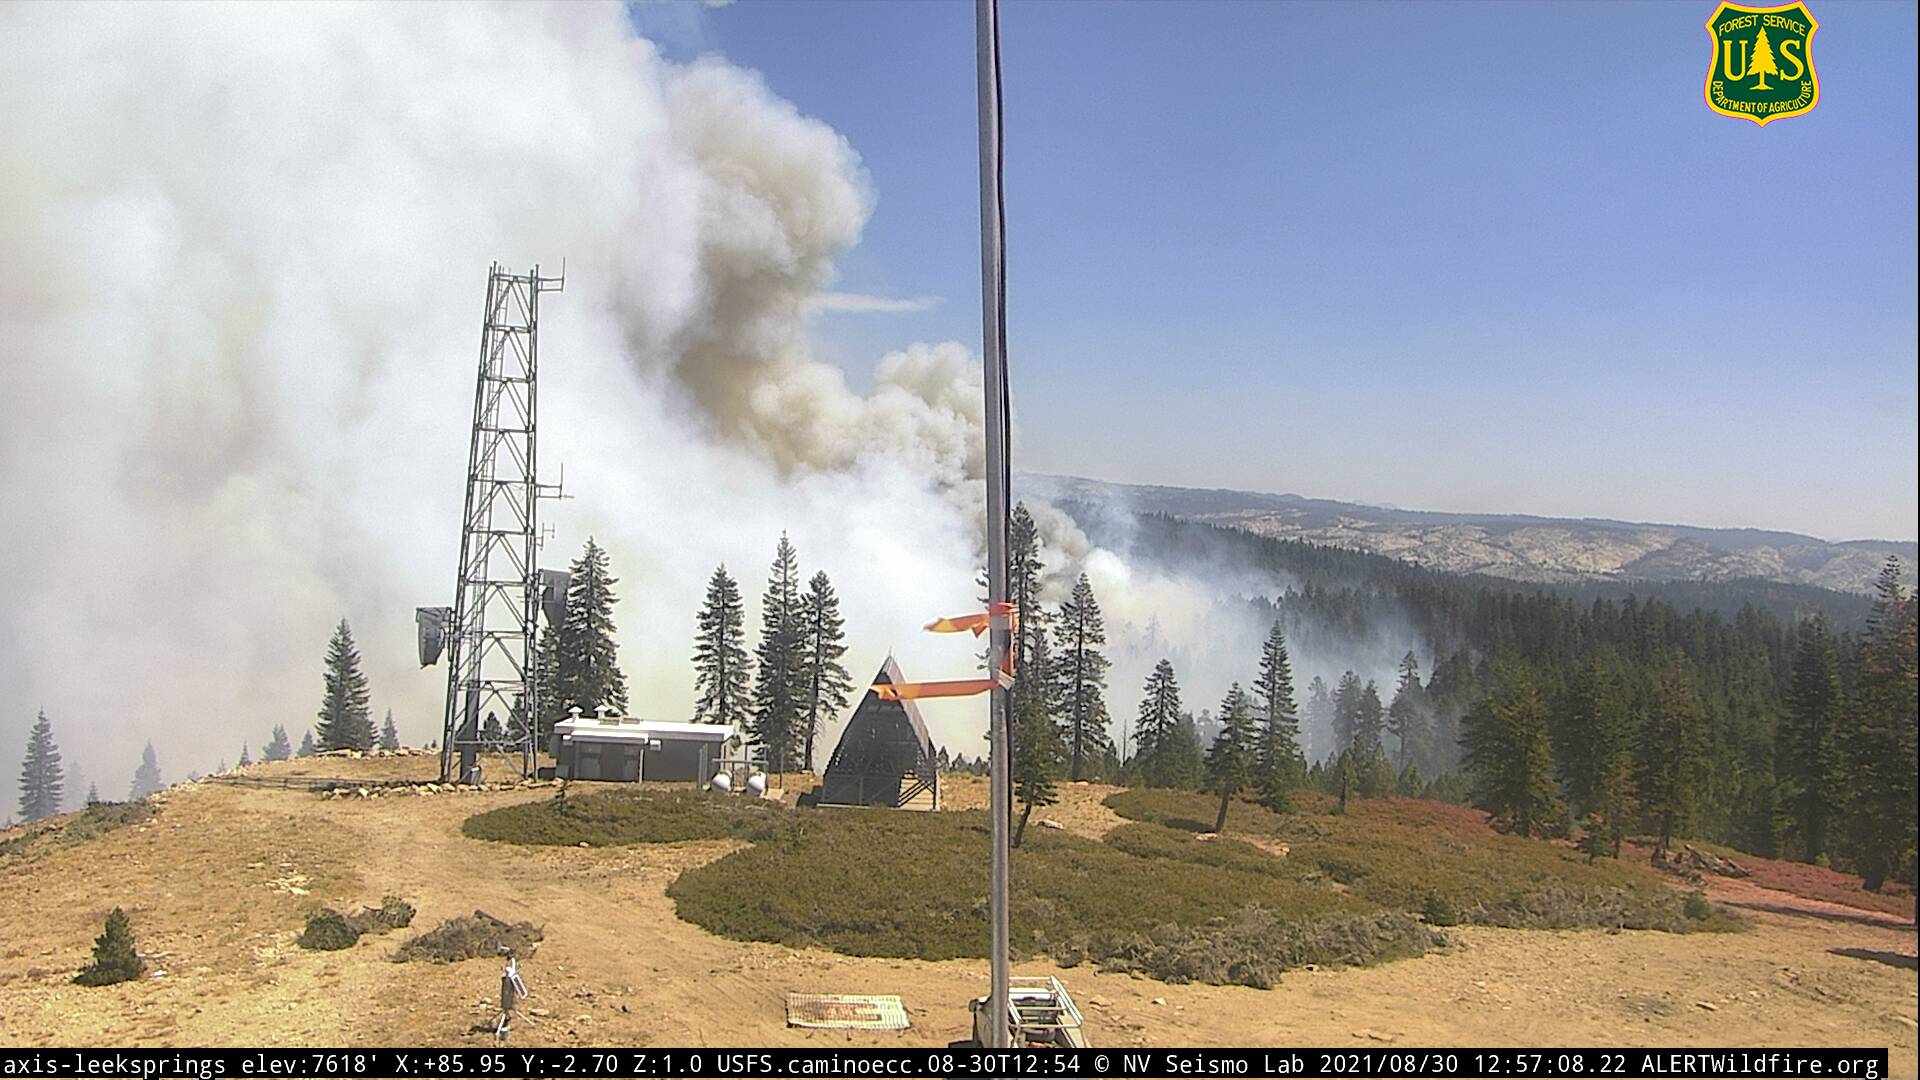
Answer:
(490, 632)
(993, 297)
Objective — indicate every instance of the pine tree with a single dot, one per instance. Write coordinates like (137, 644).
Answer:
(73, 786)
(1235, 751)
(1036, 747)
(1880, 738)
(346, 721)
(824, 682)
(1024, 572)
(779, 663)
(246, 755)
(307, 749)
(1762, 64)
(146, 779)
(1407, 716)
(546, 681)
(1609, 816)
(720, 660)
(1597, 732)
(1673, 765)
(1510, 756)
(1183, 762)
(41, 781)
(1807, 744)
(492, 735)
(1281, 766)
(93, 794)
(1370, 724)
(1319, 721)
(1346, 712)
(586, 669)
(389, 733)
(278, 748)
(1154, 730)
(1081, 671)
(114, 957)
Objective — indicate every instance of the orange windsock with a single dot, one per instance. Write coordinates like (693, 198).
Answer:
(976, 624)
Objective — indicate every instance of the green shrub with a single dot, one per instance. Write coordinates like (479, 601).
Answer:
(114, 957)
(886, 883)
(1698, 908)
(328, 930)
(392, 914)
(1439, 911)
(1415, 855)
(1253, 946)
(607, 819)
(97, 819)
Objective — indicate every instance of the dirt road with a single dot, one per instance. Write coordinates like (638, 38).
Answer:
(218, 885)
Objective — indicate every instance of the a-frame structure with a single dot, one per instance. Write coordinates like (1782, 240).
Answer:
(884, 757)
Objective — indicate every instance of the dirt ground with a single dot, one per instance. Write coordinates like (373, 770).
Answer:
(219, 883)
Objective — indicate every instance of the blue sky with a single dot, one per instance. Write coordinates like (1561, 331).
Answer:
(1493, 257)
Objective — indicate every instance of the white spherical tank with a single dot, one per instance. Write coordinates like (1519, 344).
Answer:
(757, 783)
(722, 781)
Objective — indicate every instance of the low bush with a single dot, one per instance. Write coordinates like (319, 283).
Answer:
(1439, 911)
(1409, 855)
(328, 930)
(468, 937)
(607, 819)
(1254, 945)
(97, 819)
(887, 883)
(114, 957)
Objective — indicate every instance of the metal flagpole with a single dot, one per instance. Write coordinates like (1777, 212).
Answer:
(993, 295)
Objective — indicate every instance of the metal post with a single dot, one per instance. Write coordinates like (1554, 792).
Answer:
(994, 358)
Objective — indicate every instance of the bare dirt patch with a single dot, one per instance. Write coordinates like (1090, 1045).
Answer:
(201, 882)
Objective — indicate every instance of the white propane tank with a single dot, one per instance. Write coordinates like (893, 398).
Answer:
(722, 781)
(757, 784)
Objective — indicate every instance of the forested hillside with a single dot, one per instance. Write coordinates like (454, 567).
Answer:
(1776, 718)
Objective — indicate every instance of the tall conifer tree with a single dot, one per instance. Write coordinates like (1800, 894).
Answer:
(779, 667)
(1235, 751)
(1880, 737)
(42, 782)
(1673, 766)
(278, 747)
(1281, 767)
(1036, 747)
(1808, 743)
(1510, 756)
(1081, 673)
(1155, 729)
(389, 733)
(1407, 715)
(346, 721)
(825, 682)
(721, 664)
(586, 668)
(146, 778)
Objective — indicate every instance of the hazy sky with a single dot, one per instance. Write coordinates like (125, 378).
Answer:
(1448, 256)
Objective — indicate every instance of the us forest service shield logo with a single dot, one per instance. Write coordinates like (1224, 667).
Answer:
(1762, 65)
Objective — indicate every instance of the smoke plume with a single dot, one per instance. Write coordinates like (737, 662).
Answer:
(242, 257)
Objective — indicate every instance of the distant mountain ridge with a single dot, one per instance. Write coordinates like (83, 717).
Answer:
(1519, 547)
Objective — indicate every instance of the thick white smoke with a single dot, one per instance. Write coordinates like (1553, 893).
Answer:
(242, 255)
